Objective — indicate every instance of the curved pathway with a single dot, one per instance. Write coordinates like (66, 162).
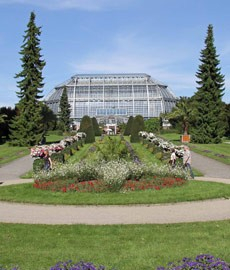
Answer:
(209, 210)
(100, 215)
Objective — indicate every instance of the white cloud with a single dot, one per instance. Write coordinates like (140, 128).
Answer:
(128, 53)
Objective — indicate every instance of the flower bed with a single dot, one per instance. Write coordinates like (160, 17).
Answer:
(98, 186)
(109, 176)
(109, 172)
(38, 150)
(164, 145)
(204, 262)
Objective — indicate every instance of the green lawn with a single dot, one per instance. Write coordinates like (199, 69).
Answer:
(51, 138)
(123, 247)
(10, 153)
(220, 152)
(194, 190)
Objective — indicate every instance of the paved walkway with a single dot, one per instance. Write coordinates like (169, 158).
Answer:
(106, 215)
(210, 167)
(138, 214)
(13, 170)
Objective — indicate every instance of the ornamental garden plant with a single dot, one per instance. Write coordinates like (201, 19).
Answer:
(110, 165)
(202, 261)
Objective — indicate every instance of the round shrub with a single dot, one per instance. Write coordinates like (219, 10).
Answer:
(38, 165)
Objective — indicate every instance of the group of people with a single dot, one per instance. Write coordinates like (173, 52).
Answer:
(187, 159)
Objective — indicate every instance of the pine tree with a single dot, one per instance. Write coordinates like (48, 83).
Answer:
(208, 103)
(27, 127)
(65, 111)
(49, 118)
(227, 119)
(137, 126)
(87, 127)
(96, 128)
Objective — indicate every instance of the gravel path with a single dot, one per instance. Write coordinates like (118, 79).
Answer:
(100, 215)
(209, 210)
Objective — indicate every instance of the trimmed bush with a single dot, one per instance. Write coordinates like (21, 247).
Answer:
(58, 157)
(38, 165)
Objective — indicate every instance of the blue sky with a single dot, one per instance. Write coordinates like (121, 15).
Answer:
(162, 38)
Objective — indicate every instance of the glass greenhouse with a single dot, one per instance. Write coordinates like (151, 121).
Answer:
(113, 96)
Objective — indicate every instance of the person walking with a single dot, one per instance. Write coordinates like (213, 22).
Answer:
(173, 158)
(47, 161)
(187, 159)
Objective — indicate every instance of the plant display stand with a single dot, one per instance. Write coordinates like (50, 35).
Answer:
(185, 138)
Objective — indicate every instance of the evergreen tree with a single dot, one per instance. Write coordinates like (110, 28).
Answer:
(137, 126)
(2, 116)
(87, 127)
(65, 111)
(2, 121)
(227, 118)
(96, 128)
(7, 115)
(26, 127)
(128, 128)
(49, 118)
(208, 103)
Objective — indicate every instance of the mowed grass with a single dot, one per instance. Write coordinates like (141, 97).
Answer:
(192, 191)
(121, 247)
(220, 152)
(10, 153)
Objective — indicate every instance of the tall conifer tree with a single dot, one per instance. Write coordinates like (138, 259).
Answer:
(209, 126)
(27, 126)
(65, 111)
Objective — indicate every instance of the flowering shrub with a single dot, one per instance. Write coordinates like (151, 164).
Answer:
(165, 145)
(14, 268)
(98, 186)
(110, 176)
(204, 262)
(38, 150)
(69, 265)
(79, 171)
(113, 174)
(108, 173)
